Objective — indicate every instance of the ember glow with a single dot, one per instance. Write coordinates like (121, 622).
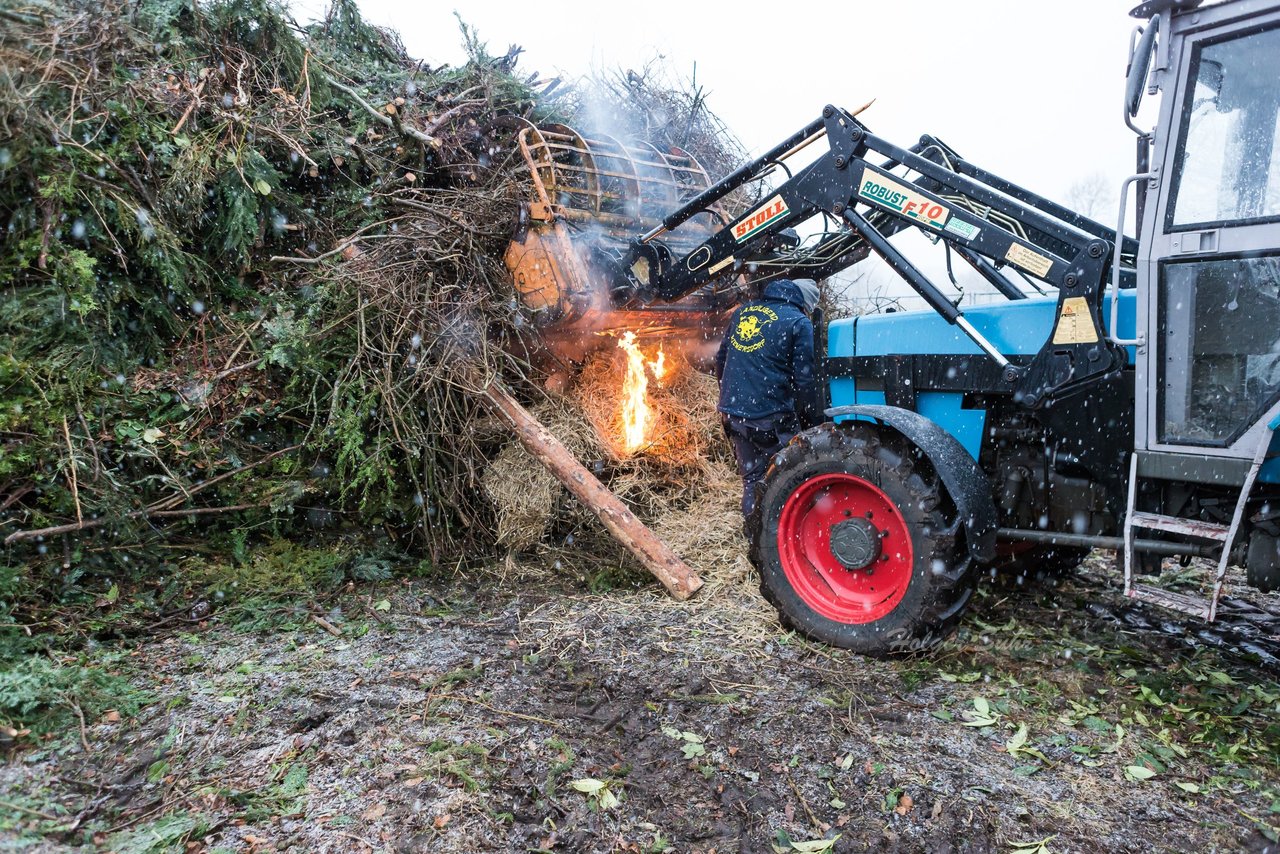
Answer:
(637, 415)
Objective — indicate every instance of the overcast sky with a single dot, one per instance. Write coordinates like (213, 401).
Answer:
(1031, 90)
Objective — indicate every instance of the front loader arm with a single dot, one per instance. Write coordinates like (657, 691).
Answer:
(976, 214)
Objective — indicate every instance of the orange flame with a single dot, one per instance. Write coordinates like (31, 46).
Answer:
(636, 412)
(659, 365)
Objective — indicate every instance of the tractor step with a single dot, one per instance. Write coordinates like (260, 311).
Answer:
(1196, 606)
(1178, 525)
(1206, 608)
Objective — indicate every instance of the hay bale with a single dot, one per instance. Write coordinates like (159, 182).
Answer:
(524, 496)
(527, 499)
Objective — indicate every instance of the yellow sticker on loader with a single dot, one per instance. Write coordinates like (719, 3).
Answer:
(1029, 259)
(1075, 323)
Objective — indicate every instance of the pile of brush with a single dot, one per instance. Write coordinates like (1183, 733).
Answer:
(253, 277)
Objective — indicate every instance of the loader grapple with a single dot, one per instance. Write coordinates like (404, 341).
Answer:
(589, 198)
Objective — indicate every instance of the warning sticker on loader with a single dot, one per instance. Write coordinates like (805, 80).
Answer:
(883, 190)
(1075, 323)
(1029, 259)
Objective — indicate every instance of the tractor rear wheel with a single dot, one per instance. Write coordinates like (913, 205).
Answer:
(857, 542)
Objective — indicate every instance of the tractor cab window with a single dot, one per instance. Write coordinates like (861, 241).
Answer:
(1220, 331)
(1228, 168)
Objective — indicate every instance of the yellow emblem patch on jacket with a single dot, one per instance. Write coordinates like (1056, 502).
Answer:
(748, 334)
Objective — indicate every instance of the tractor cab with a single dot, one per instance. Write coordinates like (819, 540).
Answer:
(1208, 279)
(1209, 264)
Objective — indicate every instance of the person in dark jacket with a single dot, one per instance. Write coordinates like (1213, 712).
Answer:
(768, 383)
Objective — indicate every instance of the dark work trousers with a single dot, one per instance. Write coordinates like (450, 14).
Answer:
(755, 441)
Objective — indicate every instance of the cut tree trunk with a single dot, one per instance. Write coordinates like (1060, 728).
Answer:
(681, 581)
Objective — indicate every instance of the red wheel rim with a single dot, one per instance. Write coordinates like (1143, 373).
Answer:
(825, 583)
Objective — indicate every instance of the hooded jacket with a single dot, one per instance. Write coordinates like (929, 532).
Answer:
(766, 361)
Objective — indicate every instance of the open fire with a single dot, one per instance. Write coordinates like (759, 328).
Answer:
(637, 414)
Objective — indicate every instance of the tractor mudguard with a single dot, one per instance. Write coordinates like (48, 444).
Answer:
(965, 481)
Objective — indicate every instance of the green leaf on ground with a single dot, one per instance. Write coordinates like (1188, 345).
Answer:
(1040, 846)
(598, 791)
(693, 744)
(1016, 745)
(815, 846)
(982, 714)
(784, 844)
(163, 834)
(971, 676)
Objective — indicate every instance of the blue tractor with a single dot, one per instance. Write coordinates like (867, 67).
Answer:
(1134, 408)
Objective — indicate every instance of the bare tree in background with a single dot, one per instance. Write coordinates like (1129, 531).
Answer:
(856, 291)
(1093, 196)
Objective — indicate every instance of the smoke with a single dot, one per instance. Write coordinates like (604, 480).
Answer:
(646, 146)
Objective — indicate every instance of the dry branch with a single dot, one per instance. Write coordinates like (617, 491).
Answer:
(162, 508)
(382, 118)
(326, 625)
(18, 536)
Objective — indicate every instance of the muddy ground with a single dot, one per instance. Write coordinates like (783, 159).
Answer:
(461, 716)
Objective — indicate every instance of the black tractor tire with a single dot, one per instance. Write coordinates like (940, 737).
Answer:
(1262, 562)
(825, 484)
